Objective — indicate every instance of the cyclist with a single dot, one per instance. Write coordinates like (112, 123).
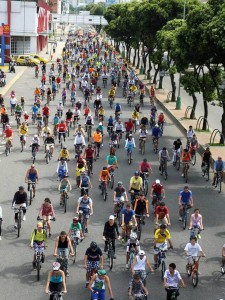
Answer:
(156, 132)
(8, 134)
(69, 117)
(34, 111)
(60, 109)
(101, 113)
(206, 158)
(20, 199)
(97, 286)
(223, 258)
(132, 242)
(128, 219)
(141, 207)
(143, 135)
(185, 198)
(196, 222)
(119, 127)
(45, 113)
(85, 183)
(139, 265)
(18, 110)
(89, 155)
(62, 247)
(50, 143)
(193, 143)
(75, 229)
(172, 279)
(79, 129)
(190, 133)
(76, 114)
(64, 187)
(119, 195)
(135, 117)
(62, 128)
(110, 123)
(161, 215)
(136, 183)
(33, 177)
(152, 92)
(112, 93)
(38, 238)
(93, 260)
(163, 158)
(161, 120)
(130, 145)
(113, 140)
(79, 142)
(177, 147)
(118, 110)
(64, 153)
(111, 161)
(104, 177)
(185, 158)
(85, 205)
(129, 125)
(47, 213)
(144, 167)
(110, 231)
(35, 143)
(97, 139)
(136, 286)
(23, 132)
(192, 250)
(161, 236)
(45, 131)
(89, 121)
(219, 167)
(62, 168)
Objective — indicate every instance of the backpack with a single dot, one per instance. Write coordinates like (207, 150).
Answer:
(35, 232)
(164, 154)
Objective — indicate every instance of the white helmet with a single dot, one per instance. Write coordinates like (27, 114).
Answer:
(35, 136)
(133, 236)
(55, 266)
(141, 252)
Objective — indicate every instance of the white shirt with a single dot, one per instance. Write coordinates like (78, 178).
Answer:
(60, 165)
(79, 140)
(193, 250)
(13, 100)
(143, 133)
(140, 264)
(76, 113)
(35, 141)
(172, 280)
(190, 133)
(130, 142)
(119, 126)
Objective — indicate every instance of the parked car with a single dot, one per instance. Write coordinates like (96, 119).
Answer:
(23, 60)
(41, 59)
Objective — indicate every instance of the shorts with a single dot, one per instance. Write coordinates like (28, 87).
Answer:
(161, 221)
(156, 251)
(92, 265)
(86, 212)
(90, 160)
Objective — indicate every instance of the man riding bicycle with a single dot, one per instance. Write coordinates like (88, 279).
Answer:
(136, 286)
(163, 158)
(85, 206)
(185, 158)
(128, 219)
(185, 198)
(141, 207)
(144, 167)
(157, 191)
(38, 238)
(139, 266)
(219, 167)
(33, 177)
(132, 243)
(97, 286)
(104, 177)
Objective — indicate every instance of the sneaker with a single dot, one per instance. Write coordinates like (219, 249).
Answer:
(155, 266)
(182, 174)
(86, 230)
(15, 226)
(67, 273)
(24, 218)
(180, 219)
(199, 236)
(127, 266)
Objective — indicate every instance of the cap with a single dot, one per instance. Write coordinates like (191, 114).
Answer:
(141, 252)
(21, 187)
(136, 173)
(101, 272)
(111, 217)
(157, 181)
(55, 266)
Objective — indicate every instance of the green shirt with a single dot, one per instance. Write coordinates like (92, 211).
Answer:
(38, 236)
(111, 160)
(75, 227)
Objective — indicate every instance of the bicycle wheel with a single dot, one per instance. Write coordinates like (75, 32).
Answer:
(165, 175)
(22, 146)
(111, 259)
(47, 157)
(38, 266)
(105, 194)
(219, 185)
(145, 187)
(129, 158)
(6, 151)
(143, 147)
(31, 193)
(185, 222)
(19, 224)
(194, 159)
(139, 230)
(68, 130)
(65, 203)
(74, 251)
(178, 164)
(112, 181)
(194, 278)
(188, 269)
(207, 172)
(163, 268)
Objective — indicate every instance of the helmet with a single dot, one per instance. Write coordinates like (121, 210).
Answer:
(21, 187)
(156, 125)
(120, 183)
(39, 224)
(162, 226)
(101, 272)
(25, 112)
(157, 181)
(136, 173)
(164, 148)
(64, 147)
(55, 266)
(133, 236)
(111, 217)
(75, 219)
(7, 126)
(93, 245)
(104, 168)
(130, 135)
(35, 136)
(141, 252)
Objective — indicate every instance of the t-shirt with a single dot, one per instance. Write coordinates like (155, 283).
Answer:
(172, 280)
(144, 166)
(119, 191)
(45, 110)
(89, 152)
(185, 196)
(128, 215)
(161, 211)
(161, 238)
(75, 227)
(8, 132)
(97, 137)
(193, 250)
(136, 183)
(157, 188)
(111, 159)
(38, 236)
(93, 255)
(62, 127)
(104, 174)
(177, 145)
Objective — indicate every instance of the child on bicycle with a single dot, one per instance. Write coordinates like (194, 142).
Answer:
(132, 242)
(136, 286)
(104, 176)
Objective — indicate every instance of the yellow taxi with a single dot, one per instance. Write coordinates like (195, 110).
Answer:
(21, 60)
(41, 59)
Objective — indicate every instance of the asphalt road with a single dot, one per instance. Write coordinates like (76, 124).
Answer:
(18, 279)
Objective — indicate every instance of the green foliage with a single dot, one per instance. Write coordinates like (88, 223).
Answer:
(190, 83)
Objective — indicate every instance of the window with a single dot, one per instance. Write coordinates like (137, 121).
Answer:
(20, 45)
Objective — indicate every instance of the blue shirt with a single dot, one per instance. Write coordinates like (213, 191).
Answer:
(34, 109)
(128, 215)
(156, 132)
(185, 196)
(118, 108)
(110, 122)
(219, 165)
(84, 180)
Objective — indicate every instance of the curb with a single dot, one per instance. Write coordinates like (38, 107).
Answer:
(11, 83)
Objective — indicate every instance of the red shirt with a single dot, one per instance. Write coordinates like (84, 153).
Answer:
(89, 152)
(157, 188)
(8, 132)
(58, 79)
(62, 127)
(45, 111)
(26, 117)
(129, 126)
(161, 118)
(144, 166)
(162, 211)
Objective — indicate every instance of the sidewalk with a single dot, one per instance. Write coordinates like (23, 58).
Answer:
(182, 123)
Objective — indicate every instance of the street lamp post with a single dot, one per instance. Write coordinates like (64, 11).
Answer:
(178, 102)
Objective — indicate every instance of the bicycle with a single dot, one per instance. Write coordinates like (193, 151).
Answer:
(56, 295)
(176, 163)
(119, 207)
(129, 155)
(156, 199)
(82, 220)
(155, 144)
(48, 153)
(75, 237)
(162, 258)
(104, 190)
(89, 167)
(22, 142)
(19, 218)
(111, 182)
(192, 270)
(131, 256)
(142, 145)
(34, 153)
(63, 200)
(195, 232)
(110, 253)
(218, 181)
(140, 223)
(163, 167)
(89, 130)
(145, 182)
(138, 296)
(18, 123)
(39, 252)
(184, 215)
(193, 156)
(172, 292)
(186, 168)
(205, 169)
(61, 258)
(8, 146)
(31, 188)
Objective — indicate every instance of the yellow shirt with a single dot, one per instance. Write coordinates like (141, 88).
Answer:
(79, 171)
(112, 93)
(159, 238)
(135, 116)
(136, 183)
(64, 153)
(133, 88)
(23, 130)
(101, 112)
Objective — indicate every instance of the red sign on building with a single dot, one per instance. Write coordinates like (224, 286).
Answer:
(1, 30)
(6, 29)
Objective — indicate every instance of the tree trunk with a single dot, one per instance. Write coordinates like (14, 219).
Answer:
(138, 58)
(173, 84)
(118, 47)
(204, 125)
(195, 101)
(127, 52)
(223, 125)
(155, 75)
(160, 82)
(149, 69)
(134, 58)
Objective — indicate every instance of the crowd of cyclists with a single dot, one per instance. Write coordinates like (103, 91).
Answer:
(87, 66)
